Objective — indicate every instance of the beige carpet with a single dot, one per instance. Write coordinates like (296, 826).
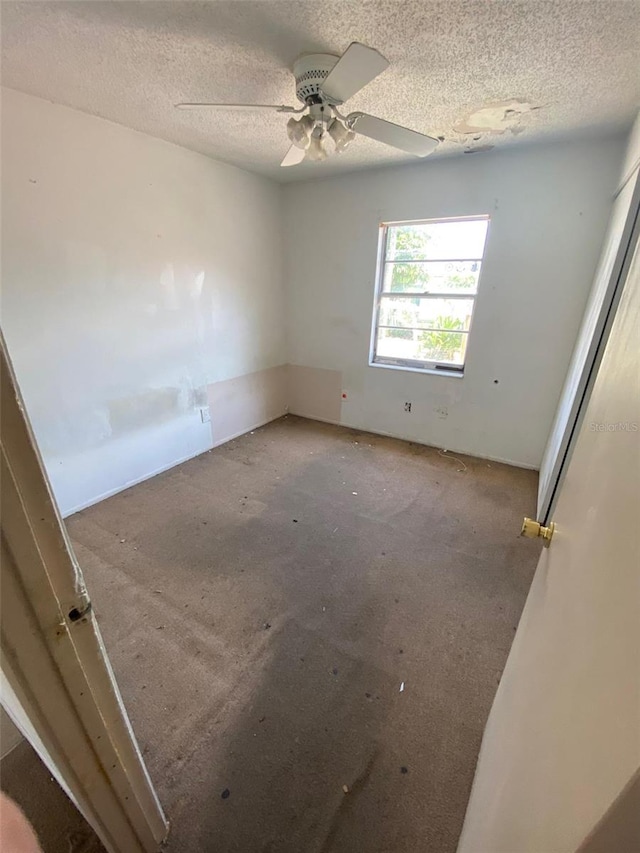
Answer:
(308, 626)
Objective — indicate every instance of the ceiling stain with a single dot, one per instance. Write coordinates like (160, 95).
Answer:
(479, 149)
(497, 117)
(130, 62)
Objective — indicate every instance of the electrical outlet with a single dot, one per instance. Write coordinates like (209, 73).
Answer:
(407, 407)
(205, 415)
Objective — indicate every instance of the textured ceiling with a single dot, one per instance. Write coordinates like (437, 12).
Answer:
(131, 61)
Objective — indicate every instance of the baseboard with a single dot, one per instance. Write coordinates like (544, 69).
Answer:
(116, 491)
(383, 434)
(12, 747)
(111, 492)
(10, 735)
(245, 431)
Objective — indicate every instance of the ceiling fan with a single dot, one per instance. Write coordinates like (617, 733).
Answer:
(323, 83)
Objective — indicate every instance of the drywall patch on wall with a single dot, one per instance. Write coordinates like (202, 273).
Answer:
(245, 402)
(137, 411)
(496, 118)
(315, 392)
(127, 290)
(556, 196)
(153, 406)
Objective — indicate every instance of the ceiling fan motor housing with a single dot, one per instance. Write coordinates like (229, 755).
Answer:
(310, 72)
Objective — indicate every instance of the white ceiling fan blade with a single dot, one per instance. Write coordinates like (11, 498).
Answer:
(357, 66)
(392, 134)
(293, 156)
(278, 108)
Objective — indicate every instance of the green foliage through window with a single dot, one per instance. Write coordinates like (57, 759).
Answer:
(441, 345)
(407, 243)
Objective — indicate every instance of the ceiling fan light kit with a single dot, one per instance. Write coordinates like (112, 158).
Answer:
(323, 83)
(341, 135)
(299, 131)
(316, 150)
(310, 132)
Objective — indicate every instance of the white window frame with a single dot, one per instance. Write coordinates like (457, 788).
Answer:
(443, 368)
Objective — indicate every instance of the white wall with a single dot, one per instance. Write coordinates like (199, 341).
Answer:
(136, 276)
(142, 282)
(549, 207)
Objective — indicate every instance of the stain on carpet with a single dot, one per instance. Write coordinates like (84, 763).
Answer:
(394, 547)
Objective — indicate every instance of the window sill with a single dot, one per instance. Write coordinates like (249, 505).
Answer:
(452, 374)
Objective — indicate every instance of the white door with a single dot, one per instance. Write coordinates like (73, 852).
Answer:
(55, 678)
(562, 744)
(596, 325)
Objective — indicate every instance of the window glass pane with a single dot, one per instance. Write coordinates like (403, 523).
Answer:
(443, 347)
(420, 345)
(433, 241)
(431, 277)
(400, 344)
(426, 313)
(406, 278)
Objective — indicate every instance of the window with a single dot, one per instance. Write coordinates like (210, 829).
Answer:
(427, 285)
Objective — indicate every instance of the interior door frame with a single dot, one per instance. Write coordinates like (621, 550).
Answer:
(595, 349)
(57, 683)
